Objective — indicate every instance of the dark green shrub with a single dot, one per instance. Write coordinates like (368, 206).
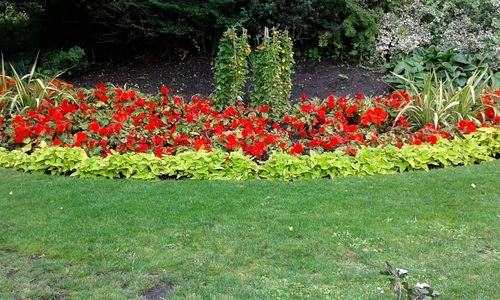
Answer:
(168, 24)
(340, 28)
(19, 26)
(73, 60)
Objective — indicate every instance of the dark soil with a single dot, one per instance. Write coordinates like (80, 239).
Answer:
(194, 76)
(8, 251)
(158, 292)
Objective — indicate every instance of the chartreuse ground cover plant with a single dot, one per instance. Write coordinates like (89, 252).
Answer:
(322, 239)
(483, 145)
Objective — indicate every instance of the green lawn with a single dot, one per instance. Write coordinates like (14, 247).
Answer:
(114, 239)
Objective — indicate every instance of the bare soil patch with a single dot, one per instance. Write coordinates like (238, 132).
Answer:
(194, 76)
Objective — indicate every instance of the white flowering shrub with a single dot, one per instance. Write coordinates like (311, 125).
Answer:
(468, 26)
(404, 31)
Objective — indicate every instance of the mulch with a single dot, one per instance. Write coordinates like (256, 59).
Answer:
(194, 76)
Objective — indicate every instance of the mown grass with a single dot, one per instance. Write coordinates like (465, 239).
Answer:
(114, 239)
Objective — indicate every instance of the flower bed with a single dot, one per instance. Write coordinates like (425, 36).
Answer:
(110, 120)
(112, 132)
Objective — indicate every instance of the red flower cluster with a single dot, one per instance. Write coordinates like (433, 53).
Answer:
(466, 126)
(112, 119)
(374, 116)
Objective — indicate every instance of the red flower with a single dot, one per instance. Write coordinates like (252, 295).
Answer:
(331, 102)
(297, 149)
(490, 112)
(307, 108)
(264, 108)
(350, 128)
(375, 116)
(466, 126)
(178, 101)
(198, 144)
(56, 142)
(81, 137)
(232, 142)
(159, 152)
(350, 151)
(117, 127)
(432, 139)
(164, 90)
(142, 148)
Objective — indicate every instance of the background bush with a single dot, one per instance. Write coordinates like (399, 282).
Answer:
(340, 28)
(19, 26)
(343, 28)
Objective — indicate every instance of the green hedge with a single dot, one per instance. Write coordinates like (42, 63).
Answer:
(481, 146)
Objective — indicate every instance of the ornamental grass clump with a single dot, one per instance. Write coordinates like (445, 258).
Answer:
(231, 68)
(21, 92)
(440, 102)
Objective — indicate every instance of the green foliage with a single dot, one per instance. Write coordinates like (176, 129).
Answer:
(272, 65)
(195, 165)
(215, 165)
(55, 160)
(231, 68)
(481, 146)
(448, 65)
(138, 166)
(57, 62)
(314, 54)
(441, 102)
